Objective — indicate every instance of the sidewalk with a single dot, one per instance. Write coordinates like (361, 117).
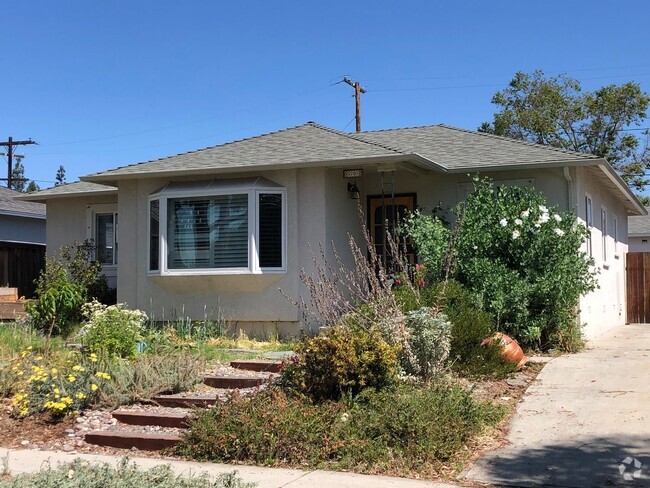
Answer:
(29, 461)
(583, 417)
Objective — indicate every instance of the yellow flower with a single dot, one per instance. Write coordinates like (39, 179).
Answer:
(80, 396)
(66, 400)
(78, 368)
(55, 371)
(105, 376)
(29, 348)
(93, 387)
(71, 379)
(57, 391)
(93, 357)
(39, 358)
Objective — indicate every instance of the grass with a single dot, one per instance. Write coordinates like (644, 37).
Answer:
(15, 337)
(80, 473)
(408, 430)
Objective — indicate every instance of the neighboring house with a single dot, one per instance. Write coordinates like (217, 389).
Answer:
(22, 241)
(224, 228)
(638, 231)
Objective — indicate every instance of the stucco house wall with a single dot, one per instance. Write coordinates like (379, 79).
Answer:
(638, 244)
(21, 229)
(71, 219)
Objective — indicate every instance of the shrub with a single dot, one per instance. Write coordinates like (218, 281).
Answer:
(341, 362)
(397, 430)
(81, 473)
(56, 310)
(112, 330)
(522, 260)
(470, 326)
(149, 375)
(60, 389)
(431, 238)
(428, 337)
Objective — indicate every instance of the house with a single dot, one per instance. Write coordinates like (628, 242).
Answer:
(225, 227)
(22, 241)
(638, 232)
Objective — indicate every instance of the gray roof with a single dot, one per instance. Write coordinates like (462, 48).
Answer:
(78, 189)
(441, 147)
(307, 143)
(464, 150)
(639, 225)
(9, 205)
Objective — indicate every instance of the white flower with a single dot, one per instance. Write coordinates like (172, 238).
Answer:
(543, 209)
(537, 225)
(557, 218)
(345, 417)
(525, 214)
(559, 232)
(503, 222)
(515, 234)
(518, 221)
(544, 218)
(475, 248)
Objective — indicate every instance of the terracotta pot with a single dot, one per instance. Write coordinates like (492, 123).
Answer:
(510, 350)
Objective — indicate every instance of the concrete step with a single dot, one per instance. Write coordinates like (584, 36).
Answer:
(188, 401)
(127, 440)
(164, 419)
(232, 382)
(259, 365)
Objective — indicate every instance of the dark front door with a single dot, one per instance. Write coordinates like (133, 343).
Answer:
(384, 215)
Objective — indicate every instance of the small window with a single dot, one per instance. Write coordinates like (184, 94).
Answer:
(270, 230)
(615, 236)
(106, 238)
(154, 235)
(603, 225)
(589, 220)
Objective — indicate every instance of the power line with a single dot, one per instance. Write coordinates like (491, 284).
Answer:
(156, 129)
(488, 85)
(10, 144)
(357, 99)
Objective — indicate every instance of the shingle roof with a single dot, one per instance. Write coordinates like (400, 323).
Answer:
(447, 147)
(305, 143)
(461, 149)
(9, 205)
(639, 225)
(78, 188)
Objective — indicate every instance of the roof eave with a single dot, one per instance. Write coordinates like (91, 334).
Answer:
(28, 215)
(416, 159)
(44, 198)
(622, 186)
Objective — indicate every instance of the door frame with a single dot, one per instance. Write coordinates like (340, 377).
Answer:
(387, 199)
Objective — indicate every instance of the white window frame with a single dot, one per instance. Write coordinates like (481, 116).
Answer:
(253, 267)
(603, 230)
(91, 228)
(589, 223)
(616, 255)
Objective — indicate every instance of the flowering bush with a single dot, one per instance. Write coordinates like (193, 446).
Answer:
(112, 330)
(59, 390)
(523, 261)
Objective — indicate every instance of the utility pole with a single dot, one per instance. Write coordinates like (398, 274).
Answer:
(9, 144)
(357, 97)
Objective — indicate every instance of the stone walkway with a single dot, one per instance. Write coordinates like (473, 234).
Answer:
(585, 422)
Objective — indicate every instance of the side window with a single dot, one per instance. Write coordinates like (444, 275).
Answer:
(106, 238)
(589, 220)
(603, 226)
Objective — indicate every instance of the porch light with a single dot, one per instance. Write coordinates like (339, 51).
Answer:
(353, 191)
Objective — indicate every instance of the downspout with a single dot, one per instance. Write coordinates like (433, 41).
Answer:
(569, 190)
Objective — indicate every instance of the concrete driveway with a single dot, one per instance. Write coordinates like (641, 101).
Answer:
(584, 422)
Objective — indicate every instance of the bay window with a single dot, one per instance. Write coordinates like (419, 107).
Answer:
(218, 227)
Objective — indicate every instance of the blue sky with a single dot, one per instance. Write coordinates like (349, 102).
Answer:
(101, 84)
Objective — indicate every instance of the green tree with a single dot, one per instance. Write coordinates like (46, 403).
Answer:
(555, 111)
(32, 187)
(60, 176)
(18, 176)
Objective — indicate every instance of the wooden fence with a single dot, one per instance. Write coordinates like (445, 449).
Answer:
(20, 265)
